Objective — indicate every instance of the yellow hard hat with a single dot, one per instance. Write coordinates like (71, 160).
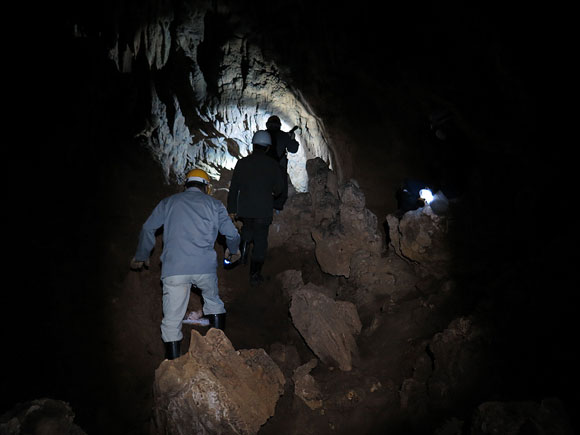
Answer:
(198, 175)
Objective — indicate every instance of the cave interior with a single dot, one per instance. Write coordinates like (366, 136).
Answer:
(376, 78)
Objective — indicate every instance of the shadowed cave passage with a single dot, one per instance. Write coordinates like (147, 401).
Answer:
(79, 327)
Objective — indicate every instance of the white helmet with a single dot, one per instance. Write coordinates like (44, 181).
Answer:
(262, 138)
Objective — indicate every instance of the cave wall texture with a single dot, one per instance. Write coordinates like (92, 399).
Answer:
(364, 81)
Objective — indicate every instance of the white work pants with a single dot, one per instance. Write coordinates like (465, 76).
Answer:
(176, 291)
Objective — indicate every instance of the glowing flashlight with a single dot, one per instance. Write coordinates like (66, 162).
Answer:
(426, 195)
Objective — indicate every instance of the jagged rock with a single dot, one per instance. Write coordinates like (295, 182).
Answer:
(341, 223)
(334, 251)
(329, 327)
(292, 227)
(451, 365)
(216, 389)
(460, 361)
(290, 280)
(514, 418)
(286, 357)
(377, 277)
(306, 387)
(323, 188)
(420, 236)
(354, 217)
(230, 103)
(336, 244)
(42, 416)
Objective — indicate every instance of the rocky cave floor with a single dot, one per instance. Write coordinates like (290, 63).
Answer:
(95, 340)
(361, 400)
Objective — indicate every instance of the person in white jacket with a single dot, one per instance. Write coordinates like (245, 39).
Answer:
(191, 221)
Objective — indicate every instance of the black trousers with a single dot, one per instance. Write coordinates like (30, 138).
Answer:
(256, 230)
(280, 200)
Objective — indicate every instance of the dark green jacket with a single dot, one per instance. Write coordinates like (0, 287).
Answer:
(256, 180)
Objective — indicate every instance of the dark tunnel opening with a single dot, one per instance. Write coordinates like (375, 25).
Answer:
(511, 236)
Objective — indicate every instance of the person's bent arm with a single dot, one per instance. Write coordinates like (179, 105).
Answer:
(147, 235)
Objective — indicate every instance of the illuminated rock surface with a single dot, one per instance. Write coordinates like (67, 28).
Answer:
(216, 389)
(330, 327)
(232, 100)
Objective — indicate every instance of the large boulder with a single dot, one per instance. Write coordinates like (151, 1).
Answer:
(291, 228)
(216, 389)
(378, 277)
(450, 367)
(420, 236)
(323, 189)
(306, 387)
(329, 327)
(342, 224)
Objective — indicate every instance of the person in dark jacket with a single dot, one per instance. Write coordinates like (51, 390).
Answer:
(282, 143)
(256, 182)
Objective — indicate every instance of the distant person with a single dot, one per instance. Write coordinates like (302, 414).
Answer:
(256, 182)
(191, 221)
(408, 197)
(282, 143)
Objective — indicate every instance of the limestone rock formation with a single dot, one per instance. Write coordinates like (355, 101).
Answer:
(290, 280)
(378, 277)
(342, 224)
(292, 227)
(42, 416)
(329, 327)
(227, 89)
(332, 220)
(305, 386)
(420, 236)
(216, 389)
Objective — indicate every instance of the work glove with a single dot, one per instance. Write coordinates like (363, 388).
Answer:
(234, 257)
(138, 265)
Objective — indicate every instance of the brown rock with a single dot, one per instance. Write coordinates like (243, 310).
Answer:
(285, 356)
(306, 387)
(290, 280)
(216, 389)
(329, 327)
(420, 236)
(377, 276)
(291, 228)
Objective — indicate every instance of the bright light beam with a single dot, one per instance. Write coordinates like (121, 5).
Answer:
(426, 195)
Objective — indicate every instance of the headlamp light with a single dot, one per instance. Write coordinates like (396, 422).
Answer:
(426, 195)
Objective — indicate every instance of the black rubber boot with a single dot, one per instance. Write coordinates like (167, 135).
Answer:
(256, 273)
(172, 349)
(217, 321)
